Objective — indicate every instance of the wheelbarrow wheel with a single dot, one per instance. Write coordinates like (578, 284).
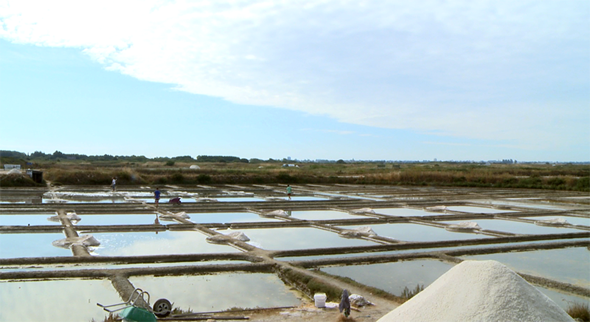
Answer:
(162, 308)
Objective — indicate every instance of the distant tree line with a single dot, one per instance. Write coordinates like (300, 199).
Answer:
(7, 156)
(218, 158)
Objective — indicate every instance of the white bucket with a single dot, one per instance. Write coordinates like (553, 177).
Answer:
(320, 299)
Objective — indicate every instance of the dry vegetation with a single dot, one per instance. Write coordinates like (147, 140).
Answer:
(537, 176)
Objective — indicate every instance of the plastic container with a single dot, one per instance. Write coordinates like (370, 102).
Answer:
(320, 299)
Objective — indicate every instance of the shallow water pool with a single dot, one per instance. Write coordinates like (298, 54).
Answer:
(118, 219)
(299, 238)
(65, 300)
(394, 277)
(415, 232)
(219, 292)
(228, 217)
(477, 210)
(324, 215)
(24, 220)
(561, 299)
(150, 243)
(516, 227)
(406, 212)
(568, 265)
(569, 219)
(31, 245)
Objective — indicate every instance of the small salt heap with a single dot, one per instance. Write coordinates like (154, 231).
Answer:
(479, 291)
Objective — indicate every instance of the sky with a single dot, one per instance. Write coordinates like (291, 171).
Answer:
(363, 80)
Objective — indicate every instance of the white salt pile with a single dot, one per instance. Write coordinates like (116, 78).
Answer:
(467, 226)
(360, 231)
(278, 212)
(551, 222)
(238, 235)
(84, 240)
(363, 210)
(479, 291)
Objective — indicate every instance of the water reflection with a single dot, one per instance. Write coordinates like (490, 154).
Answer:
(149, 243)
(415, 232)
(394, 277)
(298, 238)
(569, 265)
(227, 217)
(239, 199)
(324, 215)
(569, 219)
(403, 212)
(31, 245)
(24, 220)
(219, 292)
(518, 227)
(563, 300)
(67, 300)
(118, 219)
(477, 210)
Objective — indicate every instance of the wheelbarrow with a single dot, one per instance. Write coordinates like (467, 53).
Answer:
(175, 201)
(137, 308)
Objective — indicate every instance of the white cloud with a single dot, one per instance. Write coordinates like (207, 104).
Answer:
(493, 70)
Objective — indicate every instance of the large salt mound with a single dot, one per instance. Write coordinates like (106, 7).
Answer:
(478, 291)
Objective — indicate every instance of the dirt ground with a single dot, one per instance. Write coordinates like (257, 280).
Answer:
(308, 312)
(311, 313)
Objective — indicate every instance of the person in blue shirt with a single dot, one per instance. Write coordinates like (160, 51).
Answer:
(157, 196)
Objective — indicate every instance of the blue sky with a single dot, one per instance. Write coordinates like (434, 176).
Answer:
(394, 80)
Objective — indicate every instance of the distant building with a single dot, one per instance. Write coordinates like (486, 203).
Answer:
(11, 166)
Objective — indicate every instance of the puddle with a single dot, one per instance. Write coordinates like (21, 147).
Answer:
(394, 277)
(31, 245)
(478, 210)
(24, 220)
(406, 212)
(568, 265)
(563, 300)
(228, 217)
(74, 301)
(324, 215)
(415, 232)
(298, 238)
(219, 292)
(150, 243)
(120, 219)
(517, 227)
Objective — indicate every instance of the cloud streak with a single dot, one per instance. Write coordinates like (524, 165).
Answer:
(491, 70)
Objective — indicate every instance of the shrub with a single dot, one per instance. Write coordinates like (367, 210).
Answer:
(579, 311)
(286, 178)
(204, 178)
(583, 184)
(407, 294)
